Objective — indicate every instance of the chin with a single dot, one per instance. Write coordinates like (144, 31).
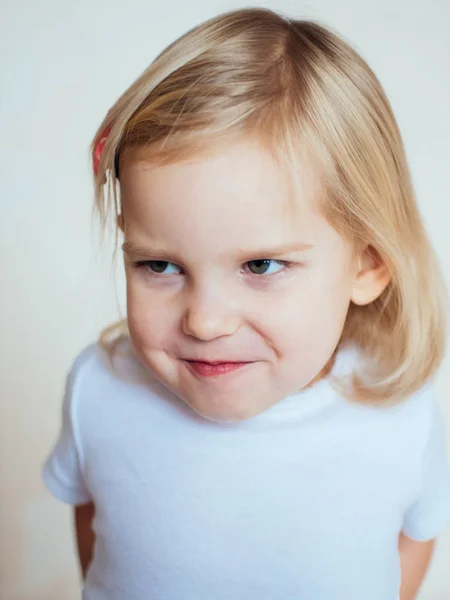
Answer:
(224, 412)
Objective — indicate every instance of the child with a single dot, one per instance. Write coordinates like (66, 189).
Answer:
(264, 426)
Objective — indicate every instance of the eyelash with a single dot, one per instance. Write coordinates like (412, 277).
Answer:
(144, 264)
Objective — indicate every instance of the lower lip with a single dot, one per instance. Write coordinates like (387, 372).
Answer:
(209, 370)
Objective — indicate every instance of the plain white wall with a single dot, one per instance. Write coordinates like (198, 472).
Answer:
(63, 63)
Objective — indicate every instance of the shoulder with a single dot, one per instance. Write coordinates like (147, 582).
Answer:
(91, 365)
(419, 407)
(96, 374)
(411, 422)
(94, 361)
(91, 357)
(424, 415)
(410, 419)
(99, 380)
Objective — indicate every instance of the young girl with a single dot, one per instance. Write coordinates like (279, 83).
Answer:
(263, 426)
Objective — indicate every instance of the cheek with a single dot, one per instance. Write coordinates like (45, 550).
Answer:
(328, 301)
(150, 320)
(312, 315)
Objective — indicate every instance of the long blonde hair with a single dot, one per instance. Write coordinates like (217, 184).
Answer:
(302, 89)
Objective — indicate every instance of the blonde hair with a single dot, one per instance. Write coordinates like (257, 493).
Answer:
(301, 89)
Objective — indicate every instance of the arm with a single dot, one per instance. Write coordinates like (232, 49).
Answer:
(85, 535)
(414, 560)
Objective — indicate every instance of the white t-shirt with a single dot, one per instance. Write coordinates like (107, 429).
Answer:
(304, 501)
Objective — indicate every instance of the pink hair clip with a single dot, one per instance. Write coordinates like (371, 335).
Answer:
(99, 149)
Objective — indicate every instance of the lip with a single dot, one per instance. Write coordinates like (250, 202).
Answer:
(215, 368)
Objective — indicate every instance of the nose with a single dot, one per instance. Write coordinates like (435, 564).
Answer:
(209, 316)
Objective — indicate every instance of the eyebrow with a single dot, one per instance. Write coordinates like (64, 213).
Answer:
(144, 252)
(277, 250)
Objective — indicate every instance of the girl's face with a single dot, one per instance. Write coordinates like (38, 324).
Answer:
(237, 294)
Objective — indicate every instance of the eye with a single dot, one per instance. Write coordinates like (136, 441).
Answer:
(160, 267)
(265, 266)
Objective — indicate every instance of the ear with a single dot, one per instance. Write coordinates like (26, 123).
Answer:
(372, 277)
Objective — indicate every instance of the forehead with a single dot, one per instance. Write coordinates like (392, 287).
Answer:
(235, 189)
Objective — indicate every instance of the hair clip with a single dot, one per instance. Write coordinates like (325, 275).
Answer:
(99, 150)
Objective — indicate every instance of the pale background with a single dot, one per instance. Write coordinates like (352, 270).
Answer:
(63, 63)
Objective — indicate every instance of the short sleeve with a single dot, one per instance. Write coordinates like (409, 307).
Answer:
(430, 512)
(62, 473)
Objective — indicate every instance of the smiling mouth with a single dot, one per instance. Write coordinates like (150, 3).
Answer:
(214, 369)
